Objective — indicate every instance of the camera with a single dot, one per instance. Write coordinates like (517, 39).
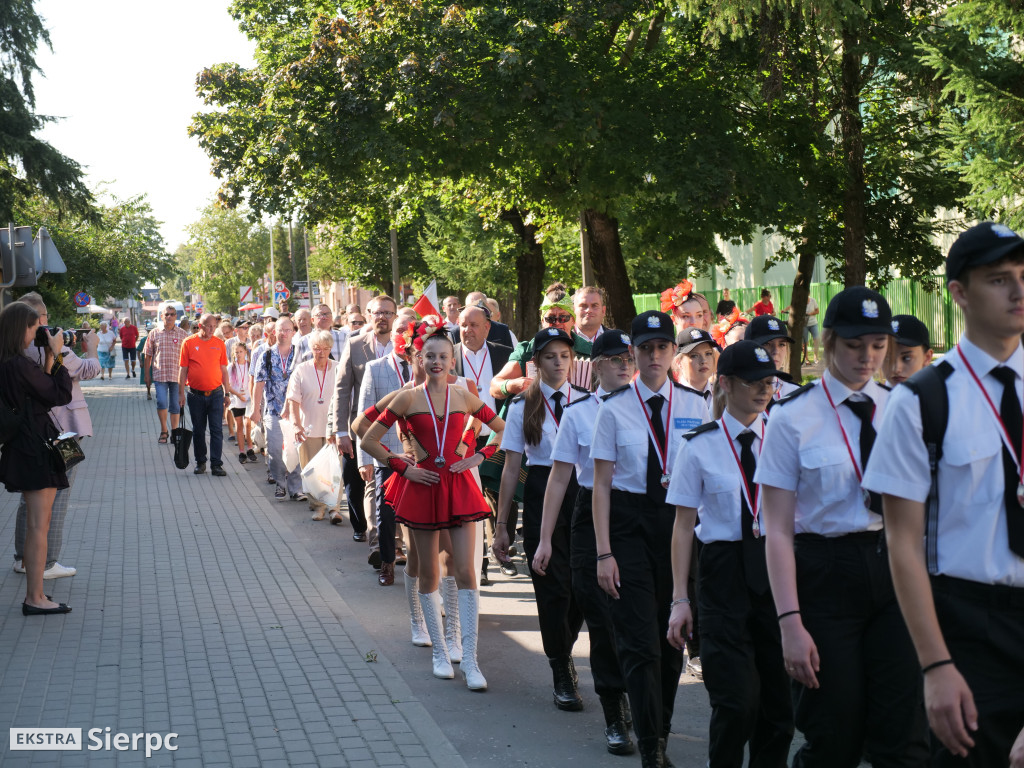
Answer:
(44, 330)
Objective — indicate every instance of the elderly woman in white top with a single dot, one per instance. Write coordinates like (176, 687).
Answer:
(106, 350)
(309, 396)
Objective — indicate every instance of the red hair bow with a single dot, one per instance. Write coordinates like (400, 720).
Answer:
(674, 297)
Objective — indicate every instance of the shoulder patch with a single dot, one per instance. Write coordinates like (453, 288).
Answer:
(884, 386)
(615, 392)
(520, 396)
(796, 393)
(710, 426)
(685, 388)
(586, 396)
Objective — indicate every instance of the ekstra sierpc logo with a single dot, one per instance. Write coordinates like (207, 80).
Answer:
(97, 739)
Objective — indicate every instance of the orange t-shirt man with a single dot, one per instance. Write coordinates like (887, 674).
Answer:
(205, 360)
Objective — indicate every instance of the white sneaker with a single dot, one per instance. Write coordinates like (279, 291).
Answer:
(19, 567)
(58, 571)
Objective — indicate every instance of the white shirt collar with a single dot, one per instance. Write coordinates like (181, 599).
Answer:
(982, 362)
(548, 391)
(591, 339)
(646, 394)
(467, 352)
(841, 393)
(735, 428)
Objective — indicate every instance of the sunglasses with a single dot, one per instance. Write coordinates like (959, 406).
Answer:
(553, 319)
(357, 323)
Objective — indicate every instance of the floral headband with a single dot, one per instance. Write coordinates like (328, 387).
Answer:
(675, 297)
(563, 303)
(430, 325)
(402, 337)
(726, 324)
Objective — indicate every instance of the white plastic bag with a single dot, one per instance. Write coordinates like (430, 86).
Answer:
(259, 436)
(289, 448)
(321, 477)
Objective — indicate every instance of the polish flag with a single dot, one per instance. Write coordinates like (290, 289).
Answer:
(427, 304)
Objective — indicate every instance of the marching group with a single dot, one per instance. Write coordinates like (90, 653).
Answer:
(845, 558)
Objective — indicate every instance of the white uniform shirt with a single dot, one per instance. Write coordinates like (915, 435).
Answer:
(804, 451)
(706, 477)
(512, 439)
(479, 362)
(572, 445)
(972, 538)
(621, 432)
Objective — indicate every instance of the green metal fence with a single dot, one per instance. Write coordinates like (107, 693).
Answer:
(906, 297)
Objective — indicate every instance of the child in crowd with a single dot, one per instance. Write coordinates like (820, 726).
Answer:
(237, 374)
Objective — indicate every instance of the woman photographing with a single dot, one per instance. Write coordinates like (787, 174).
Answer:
(24, 459)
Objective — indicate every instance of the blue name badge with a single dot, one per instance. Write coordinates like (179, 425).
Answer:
(686, 423)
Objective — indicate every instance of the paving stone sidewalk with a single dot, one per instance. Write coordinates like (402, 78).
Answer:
(195, 611)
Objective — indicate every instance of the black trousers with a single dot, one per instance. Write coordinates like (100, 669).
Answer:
(983, 626)
(594, 601)
(557, 610)
(385, 516)
(744, 673)
(641, 541)
(870, 698)
(354, 490)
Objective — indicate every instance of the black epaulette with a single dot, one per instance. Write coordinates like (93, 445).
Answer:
(795, 394)
(586, 396)
(886, 387)
(688, 389)
(709, 426)
(519, 397)
(615, 392)
(581, 390)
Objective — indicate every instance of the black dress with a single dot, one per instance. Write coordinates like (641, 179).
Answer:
(24, 459)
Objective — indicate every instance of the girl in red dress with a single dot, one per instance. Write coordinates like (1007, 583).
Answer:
(440, 492)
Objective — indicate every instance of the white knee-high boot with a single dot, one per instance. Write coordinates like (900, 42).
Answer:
(431, 605)
(420, 636)
(469, 611)
(452, 635)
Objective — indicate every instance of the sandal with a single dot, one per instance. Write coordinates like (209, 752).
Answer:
(163, 438)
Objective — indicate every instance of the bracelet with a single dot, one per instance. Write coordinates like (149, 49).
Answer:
(934, 664)
(787, 613)
(680, 601)
(500, 522)
(605, 556)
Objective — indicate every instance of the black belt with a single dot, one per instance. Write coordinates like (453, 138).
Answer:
(204, 392)
(993, 595)
(862, 537)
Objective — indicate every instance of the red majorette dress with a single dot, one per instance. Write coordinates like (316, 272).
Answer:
(456, 499)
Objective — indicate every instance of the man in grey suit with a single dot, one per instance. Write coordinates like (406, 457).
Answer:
(359, 486)
(382, 377)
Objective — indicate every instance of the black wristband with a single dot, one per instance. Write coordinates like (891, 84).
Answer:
(934, 664)
(605, 556)
(787, 613)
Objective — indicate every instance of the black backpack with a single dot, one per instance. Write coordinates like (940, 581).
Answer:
(930, 386)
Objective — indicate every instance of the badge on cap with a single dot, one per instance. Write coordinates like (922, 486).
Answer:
(552, 331)
(895, 326)
(654, 321)
(625, 339)
(694, 334)
(773, 325)
(869, 308)
(761, 355)
(1001, 230)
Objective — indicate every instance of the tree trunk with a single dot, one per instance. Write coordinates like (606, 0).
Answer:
(854, 195)
(602, 232)
(525, 321)
(806, 254)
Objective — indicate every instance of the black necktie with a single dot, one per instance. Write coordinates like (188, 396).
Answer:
(1010, 413)
(864, 410)
(755, 565)
(405, 371)
(557, 397)
(655, 491)
(706, 395)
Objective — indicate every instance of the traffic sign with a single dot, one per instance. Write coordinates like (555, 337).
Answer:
(245, 294)
(82, 299)
(280, 296)
(280, 286)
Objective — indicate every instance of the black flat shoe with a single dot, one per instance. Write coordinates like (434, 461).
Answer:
(357, 536)
(31, 610)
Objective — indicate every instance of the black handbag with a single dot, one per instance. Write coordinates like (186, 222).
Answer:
(181, 438)
(65, 453)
